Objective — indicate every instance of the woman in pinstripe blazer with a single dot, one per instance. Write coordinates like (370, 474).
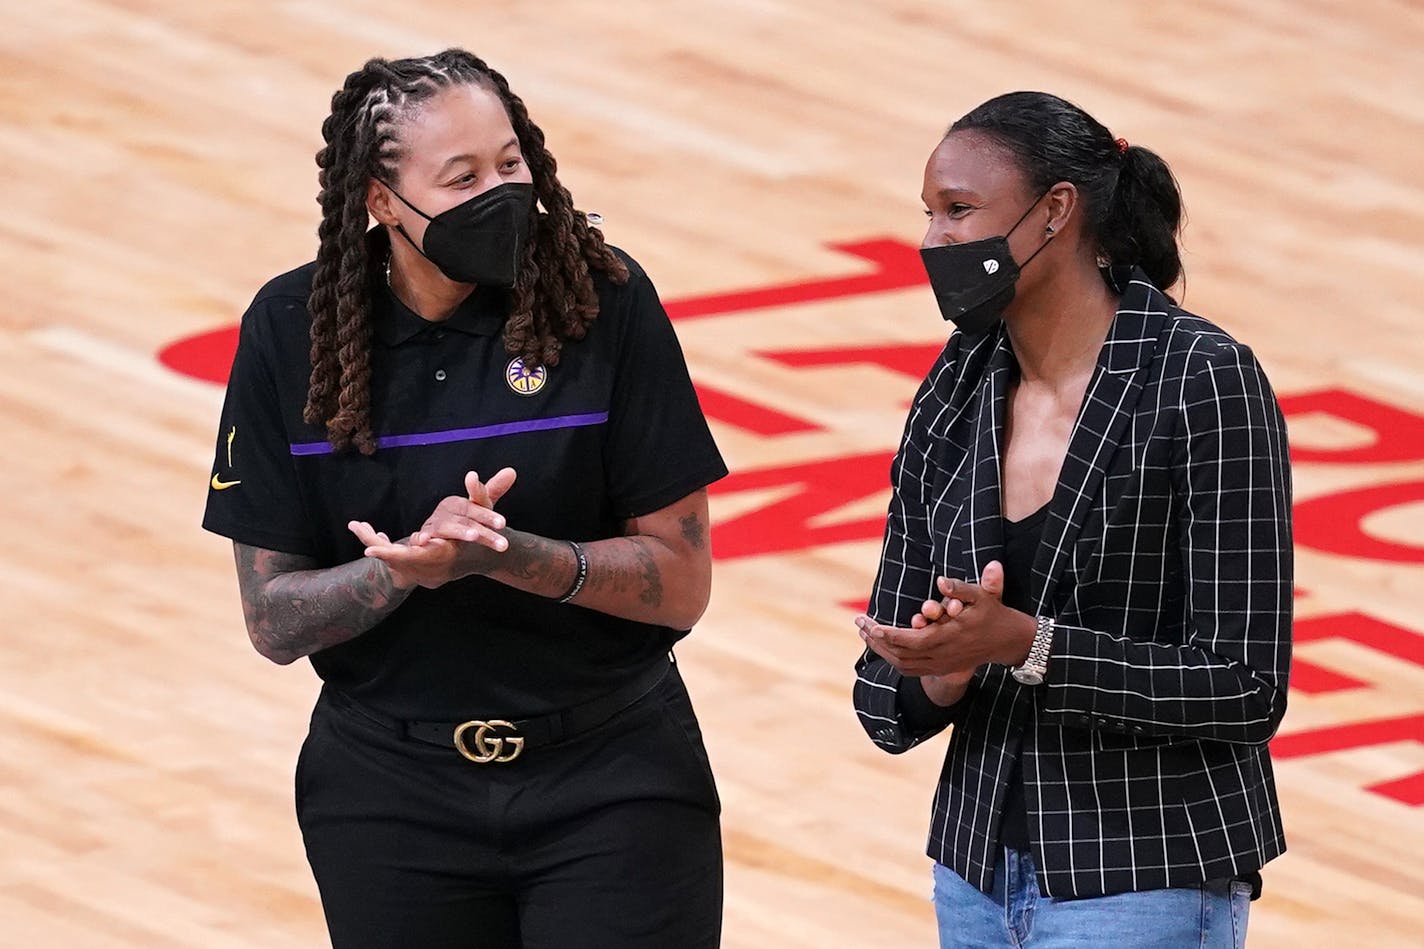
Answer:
(1087, 562)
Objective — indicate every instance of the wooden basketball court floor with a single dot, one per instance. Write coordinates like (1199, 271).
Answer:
(762, 159)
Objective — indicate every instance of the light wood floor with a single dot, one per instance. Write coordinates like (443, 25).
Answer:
(158, 169)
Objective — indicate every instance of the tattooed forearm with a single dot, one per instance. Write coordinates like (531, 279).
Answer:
(651, 574)
(658, 572)
(625, 567)
(639, 578)
(533, 563)
(294, 608)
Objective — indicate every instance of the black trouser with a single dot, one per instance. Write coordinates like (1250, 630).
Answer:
(610, 838)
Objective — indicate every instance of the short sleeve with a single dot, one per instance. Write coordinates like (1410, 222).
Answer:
(253, 494)
(659, 448)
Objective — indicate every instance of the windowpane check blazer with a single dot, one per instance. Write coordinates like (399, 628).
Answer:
(1166, 562)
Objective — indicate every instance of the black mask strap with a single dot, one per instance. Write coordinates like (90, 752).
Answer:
(1014, 228)
(390, 187)
(401, 227)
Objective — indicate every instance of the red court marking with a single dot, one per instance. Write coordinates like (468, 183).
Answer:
(784, 525)
(1306, 676)
(1398, 435)
(1318, 741)
(1366, 630)
(897, 266)
(911, 359)
(1332, 523)
(206, 356)
(1408, 790)
(1355, 627)
(751, 416)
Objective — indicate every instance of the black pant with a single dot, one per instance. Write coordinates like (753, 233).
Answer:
(611, 838)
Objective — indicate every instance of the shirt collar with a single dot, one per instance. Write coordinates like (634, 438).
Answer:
(482, 313)
(1131, 282)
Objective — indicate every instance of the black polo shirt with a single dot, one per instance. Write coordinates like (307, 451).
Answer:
(613, 431)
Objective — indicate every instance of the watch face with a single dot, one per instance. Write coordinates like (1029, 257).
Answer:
(1028, 677)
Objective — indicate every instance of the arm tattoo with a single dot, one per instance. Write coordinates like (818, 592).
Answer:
(652, 575)
(627, 565)
(693, 531)
(532, 562)
(294, 608)
(623, 565)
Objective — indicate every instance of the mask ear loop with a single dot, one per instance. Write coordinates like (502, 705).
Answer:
(401, 227)
(391, 188)
(1021, 220)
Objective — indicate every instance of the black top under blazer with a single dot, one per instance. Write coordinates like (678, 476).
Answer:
(1166, 562)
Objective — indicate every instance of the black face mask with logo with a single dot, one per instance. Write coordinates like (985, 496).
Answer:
(481, 240)
(974, 281)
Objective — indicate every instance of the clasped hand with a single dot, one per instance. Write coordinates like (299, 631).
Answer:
(951, 637)
(461, 537)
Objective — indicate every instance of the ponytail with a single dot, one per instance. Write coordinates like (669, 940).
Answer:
(1132, 206)
(1144, 218)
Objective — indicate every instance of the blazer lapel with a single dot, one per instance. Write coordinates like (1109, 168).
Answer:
(983, 529)
(1108, 407)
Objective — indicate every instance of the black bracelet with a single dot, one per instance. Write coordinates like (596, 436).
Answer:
(582, 573)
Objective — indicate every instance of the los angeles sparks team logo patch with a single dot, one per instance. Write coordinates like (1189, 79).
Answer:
(522, 379)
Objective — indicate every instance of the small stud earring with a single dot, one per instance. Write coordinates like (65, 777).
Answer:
(1049, 230)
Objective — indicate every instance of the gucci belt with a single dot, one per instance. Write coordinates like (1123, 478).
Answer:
(487, 745)
(500, 741)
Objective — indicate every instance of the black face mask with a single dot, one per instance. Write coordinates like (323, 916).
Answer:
(481, 240)
(974, 281)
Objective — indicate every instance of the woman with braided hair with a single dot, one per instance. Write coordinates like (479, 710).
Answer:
(503, 753)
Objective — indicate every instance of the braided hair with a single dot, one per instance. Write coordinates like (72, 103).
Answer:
(553, 299)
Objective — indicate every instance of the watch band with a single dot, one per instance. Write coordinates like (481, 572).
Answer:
(1035, 667)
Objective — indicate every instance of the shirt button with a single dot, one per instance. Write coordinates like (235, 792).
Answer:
(439, 335)
(440, 375)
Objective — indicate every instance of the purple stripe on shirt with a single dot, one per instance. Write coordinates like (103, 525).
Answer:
(465, 434)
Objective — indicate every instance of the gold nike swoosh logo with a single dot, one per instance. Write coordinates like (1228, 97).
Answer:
(219, 485)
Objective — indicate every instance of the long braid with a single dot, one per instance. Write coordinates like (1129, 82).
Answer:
(359, 141)
(333, 163)
(553, 298)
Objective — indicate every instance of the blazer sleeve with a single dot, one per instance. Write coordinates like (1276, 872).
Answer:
(1227, 681)
(893, 709)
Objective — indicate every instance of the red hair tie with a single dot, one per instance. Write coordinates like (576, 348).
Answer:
(1121, 144)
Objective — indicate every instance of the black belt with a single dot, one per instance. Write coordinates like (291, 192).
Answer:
(496, 740)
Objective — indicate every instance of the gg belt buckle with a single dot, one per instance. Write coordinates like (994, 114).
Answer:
(487, 746)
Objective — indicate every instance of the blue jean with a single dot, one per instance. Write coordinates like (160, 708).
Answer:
(1015, 914)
